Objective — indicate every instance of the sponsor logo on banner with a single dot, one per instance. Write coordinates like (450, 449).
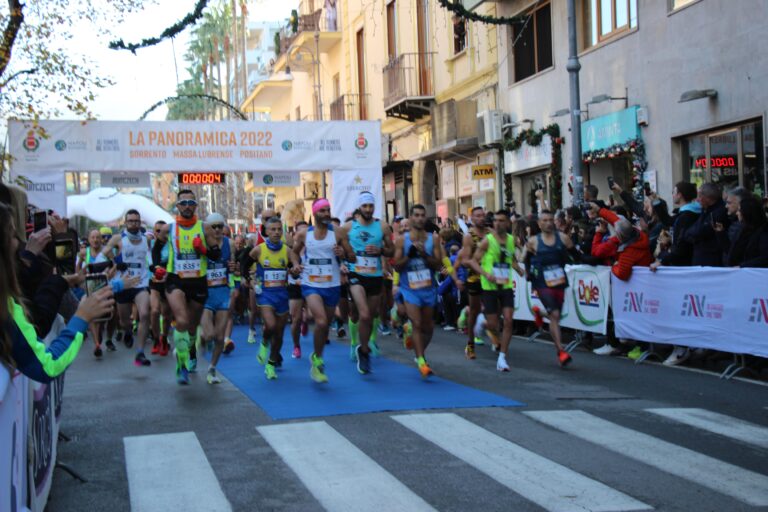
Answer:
(70, 145)
(268, 179)
(286, 145)
(39, 187)
(60, 145)
(329, 145)
(695, 306)
(759, 311)
(107, 145)
(358, 185)
(31, 143)
(361, 142)
(296, 145)
(636, 302)
(589, 301)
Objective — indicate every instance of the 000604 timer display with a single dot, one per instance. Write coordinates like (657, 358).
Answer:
(202, 178)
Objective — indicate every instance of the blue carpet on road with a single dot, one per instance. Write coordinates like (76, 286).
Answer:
(390, 387)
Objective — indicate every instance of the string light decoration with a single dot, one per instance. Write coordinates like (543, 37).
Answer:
(208, 97)
(533, 138)
(633, 148)
(459, 10)
(171, 31)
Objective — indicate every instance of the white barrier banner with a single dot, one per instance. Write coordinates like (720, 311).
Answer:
(706, 307)
(46, 190)
(14, 403)
(346, 187)
(166, 146)
(586, 299)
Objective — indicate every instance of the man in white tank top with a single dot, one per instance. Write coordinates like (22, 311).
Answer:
(315, 256)
(133, 250)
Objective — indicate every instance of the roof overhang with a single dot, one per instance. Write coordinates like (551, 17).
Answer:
(454, 150)
(265, 94)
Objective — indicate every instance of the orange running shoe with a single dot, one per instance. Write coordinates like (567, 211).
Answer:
(425, 370)
(469, 351)
(538, 318)
(563, 358)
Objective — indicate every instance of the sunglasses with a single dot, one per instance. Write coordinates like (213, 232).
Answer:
(187, 202)
(217, 226)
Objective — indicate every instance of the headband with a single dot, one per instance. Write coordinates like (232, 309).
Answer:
(365, 198)
(319, 205)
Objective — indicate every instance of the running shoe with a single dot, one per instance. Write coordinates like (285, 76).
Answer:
(479, 340)
(269, 371)
(341, 332)
(469, 351)
(564, 358)
(501, 363)
(538, 318)
(317, 370)
(399, 331)
(251, 336)
(408, 336)
(449, 328)
(141, 360)
(353, 350)
(424, 369)
(606, 350)
(164, 346)
(263, 353)
(97, 351)
(278, 363)
(110, 346)
(229, 346)
(119, 335)
(192, 365)
(384, 330)
(678, 356)
(375, 350)
(363, 361)
(212, 377)
(156, 348)
(635, 353)
(182, 376)
(296, 354)
(304, 328)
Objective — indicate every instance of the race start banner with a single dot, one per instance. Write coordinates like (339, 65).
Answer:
(705, 307)
(171, 146)
(586, 299)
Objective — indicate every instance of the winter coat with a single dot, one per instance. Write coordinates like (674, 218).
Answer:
(631, 253)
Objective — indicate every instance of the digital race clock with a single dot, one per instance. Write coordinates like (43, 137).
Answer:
(202, 178)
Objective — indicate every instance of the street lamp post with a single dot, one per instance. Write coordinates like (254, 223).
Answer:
(573, 68)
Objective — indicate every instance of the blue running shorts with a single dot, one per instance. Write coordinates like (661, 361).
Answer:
(331, 296)
(218, 299)
(424, 298)
(276, 299)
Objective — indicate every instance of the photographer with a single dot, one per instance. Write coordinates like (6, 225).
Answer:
(631, 244)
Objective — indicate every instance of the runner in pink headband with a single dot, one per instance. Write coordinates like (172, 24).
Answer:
(319, 204)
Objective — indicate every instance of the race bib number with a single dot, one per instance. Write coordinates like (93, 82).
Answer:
(418, 279)
(217, 276)
(320, 270)
(135, 270)
(367, 264)
(501, 271)
(554, 276)
(188, 268)
(274, 278)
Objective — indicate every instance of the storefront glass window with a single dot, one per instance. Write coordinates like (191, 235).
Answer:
(694, 159)
(724, 159)
(752, 146)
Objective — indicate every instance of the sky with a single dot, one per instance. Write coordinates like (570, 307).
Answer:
(151, 75)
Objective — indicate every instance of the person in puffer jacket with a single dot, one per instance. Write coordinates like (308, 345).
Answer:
(632, 246)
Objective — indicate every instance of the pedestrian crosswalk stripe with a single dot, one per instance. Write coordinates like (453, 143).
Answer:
(542, 481)
(718, 423)
(171, 472)
(336, 472)
(741, 484)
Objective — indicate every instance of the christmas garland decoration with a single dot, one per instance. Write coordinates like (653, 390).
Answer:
(208, 97)
(634, 148)
(459, 10)
(171, 31)
(533, 138)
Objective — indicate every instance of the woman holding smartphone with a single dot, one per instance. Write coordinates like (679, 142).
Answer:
(20, 347)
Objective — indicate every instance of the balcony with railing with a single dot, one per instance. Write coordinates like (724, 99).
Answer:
(409, 86)
(350, 107)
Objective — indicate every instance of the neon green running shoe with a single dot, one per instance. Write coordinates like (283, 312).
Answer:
(269, 371)
(635, 353)
(317, 371)
(479, 341)
(263, 353)
(462, 323)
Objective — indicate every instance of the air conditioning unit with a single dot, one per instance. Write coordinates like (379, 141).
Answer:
(489, 123)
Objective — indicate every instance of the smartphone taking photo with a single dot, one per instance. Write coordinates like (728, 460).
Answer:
(40, 220)
(65, 251)
(94, 283)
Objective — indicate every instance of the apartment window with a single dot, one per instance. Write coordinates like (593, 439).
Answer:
(533, 44)
(391, 30)
(677, 4)
(605, 19)
(459, 34)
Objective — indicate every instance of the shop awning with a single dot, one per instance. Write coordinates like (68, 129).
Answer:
(457, 149)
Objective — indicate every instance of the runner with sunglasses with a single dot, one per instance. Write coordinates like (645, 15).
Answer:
(186, 286)
(370, 240)
(494, 261)
(471, 240)
(314, 256)
(132, 249)
(158, 304)
(216, 310)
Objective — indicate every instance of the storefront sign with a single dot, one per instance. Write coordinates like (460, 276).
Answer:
(467, 186)
(614, 128)
(483, 172)
(125, 179)
(529, 157)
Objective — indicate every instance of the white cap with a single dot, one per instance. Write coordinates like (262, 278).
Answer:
(215, 218)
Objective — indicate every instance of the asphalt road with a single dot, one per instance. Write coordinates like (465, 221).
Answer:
(584, 441)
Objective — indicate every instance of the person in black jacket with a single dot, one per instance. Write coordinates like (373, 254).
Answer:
(706, 249)
(749, 246)
(680, 253)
